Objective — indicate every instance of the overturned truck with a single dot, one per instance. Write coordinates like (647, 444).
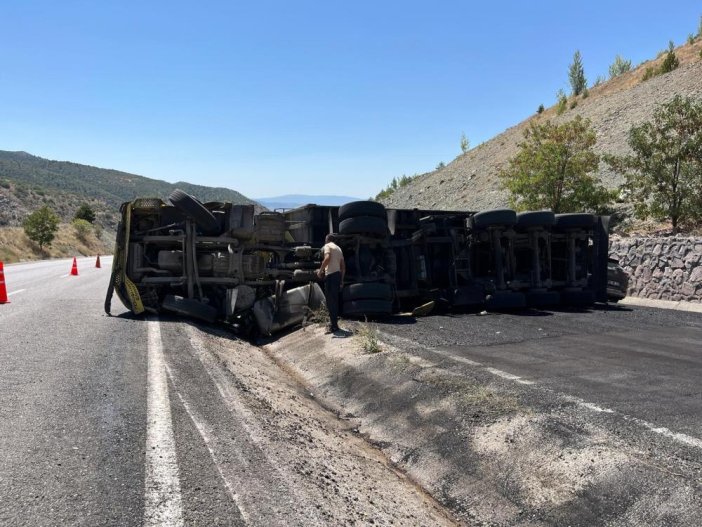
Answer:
(256, 271)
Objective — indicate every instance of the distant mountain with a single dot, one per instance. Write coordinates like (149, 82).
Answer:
(27, 182)
(291, 201)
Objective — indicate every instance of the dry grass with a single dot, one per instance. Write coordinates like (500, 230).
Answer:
(15, 246)
(471, 396)
(686, 54)
(319, 316)
(367, 336)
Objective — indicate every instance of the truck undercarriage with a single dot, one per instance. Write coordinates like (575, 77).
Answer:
(256, 272)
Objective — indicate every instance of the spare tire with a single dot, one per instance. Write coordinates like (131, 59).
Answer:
(575, 220)
(196, 210)
(360, 308)
(364, 225)
(541, 218)
(362, 208)
(367, 291)
(494, 217)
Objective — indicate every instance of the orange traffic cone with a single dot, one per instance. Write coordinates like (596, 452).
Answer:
(97, 262)
(3, 289)
(74, 269)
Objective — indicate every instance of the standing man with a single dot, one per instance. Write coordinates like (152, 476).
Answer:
(332, 270)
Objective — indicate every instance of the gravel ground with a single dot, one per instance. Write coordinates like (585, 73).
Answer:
(334, 473)
(513, 420)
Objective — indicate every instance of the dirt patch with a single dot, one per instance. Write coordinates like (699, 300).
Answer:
(322, 456)
(15, 246)
(494, 452)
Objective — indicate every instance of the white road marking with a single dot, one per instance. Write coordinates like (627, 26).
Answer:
(206, 435)
(675, 436)
(509, 376)
(261, 509)
(162, 500)
(681, 438)
(15, 292)
(433, 350)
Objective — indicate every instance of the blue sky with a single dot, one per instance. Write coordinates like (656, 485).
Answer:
(282, 97)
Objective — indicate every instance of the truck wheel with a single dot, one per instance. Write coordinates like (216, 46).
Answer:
(541, 218)
(496, 217)
(362, 208)
(367, 291)
(371, 225)
(192, 207)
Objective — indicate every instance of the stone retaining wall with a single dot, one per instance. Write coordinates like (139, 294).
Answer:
(661, 268)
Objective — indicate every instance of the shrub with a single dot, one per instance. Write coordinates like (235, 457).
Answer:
(670, 62)
(440, 165)
(573, 103)
(690, 38)
(619, 66)
(650, 72)
(540, 109)
(562, 102)
(82, 228)
(599, 80)
(586, 93)
(85, 212)
(368, 337)
(465, 144)
(4, 183)
(41, 226)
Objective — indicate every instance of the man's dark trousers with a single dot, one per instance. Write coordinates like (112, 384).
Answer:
(332, 285)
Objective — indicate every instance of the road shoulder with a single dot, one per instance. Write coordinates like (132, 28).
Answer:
(681, 305)
(492, 449)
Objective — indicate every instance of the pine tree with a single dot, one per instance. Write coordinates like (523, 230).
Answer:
(576, 74)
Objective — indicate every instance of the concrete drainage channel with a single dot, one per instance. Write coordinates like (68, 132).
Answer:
(491, 449)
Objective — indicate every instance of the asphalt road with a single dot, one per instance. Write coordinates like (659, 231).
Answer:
(120, 421)
(643, 363)
(123, 421)
(73, 418)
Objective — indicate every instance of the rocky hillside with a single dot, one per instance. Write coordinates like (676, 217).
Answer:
(470, 182)
(28, 182)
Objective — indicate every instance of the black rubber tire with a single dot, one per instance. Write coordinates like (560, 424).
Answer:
(542, 298)
(540, 218)
(367, 291)
(360, 308)
(189, 308)
(192, 207)
(362, 208)
(577, 298)
(371, 225)
(575, 220)
(494, 217)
